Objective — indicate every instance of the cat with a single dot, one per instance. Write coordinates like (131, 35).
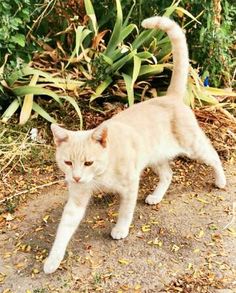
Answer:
(113, 155)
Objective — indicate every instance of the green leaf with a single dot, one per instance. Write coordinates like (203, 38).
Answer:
(13, 77)
(35, 90)
(218, 92)
(80, 34)
(129, 14)
(171, 9)
(28, 103)
(145, 37)
(10, 110)
(100, 89)
(130, 81)
(184, 11)
(43, 113)
(115, 37)
(136, 70)
(129, 88)
(206, 98)
(75, 105)
(120, 63)
(126, 31)
(151, 69)
(189, 97)
(90, 12)
(18, 39)
(145, 55)
(27, 70)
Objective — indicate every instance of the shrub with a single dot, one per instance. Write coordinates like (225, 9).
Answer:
(16, 16)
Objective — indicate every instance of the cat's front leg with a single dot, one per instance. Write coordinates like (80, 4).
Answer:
(126, 211)
(72, 215)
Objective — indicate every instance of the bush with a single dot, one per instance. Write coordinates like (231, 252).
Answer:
(210, 43)
(14, 21)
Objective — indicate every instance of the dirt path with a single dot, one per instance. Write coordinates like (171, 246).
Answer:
(178, 246)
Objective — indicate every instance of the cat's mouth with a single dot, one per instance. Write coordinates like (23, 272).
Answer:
(81, 181)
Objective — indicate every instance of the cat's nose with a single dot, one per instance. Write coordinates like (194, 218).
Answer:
(76, 178)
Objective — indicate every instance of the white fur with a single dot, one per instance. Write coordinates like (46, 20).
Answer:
(147, 134)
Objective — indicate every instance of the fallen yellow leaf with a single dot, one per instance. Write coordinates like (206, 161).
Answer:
(175, 248)
(146, 228)
(45, 218)
(35, 271)
(190, 265)
(2, 277)
(202, 200)
(136, 287)
(201, 233)
(124, 261)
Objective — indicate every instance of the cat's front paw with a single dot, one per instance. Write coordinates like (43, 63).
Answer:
(153, 199)
(220, 182)
(51, 265)
(119, 232)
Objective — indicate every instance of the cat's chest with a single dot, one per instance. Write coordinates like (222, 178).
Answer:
(110, 182)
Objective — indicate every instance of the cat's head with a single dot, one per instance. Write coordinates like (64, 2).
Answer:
(81, 155)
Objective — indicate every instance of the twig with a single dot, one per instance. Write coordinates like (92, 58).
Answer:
(30, 190)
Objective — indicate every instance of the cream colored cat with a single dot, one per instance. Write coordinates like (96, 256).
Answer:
(113, 155)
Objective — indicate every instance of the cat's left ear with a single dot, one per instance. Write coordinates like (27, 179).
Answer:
(60, 134)
(100, 135)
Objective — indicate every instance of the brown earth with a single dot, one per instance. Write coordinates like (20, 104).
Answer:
(179, 245)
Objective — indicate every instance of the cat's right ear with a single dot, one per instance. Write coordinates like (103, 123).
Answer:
(60, 134)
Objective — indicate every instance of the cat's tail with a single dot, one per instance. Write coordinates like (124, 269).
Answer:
(179, 77)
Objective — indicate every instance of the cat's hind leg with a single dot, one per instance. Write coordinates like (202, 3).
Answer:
(165, 176)
(205, 152)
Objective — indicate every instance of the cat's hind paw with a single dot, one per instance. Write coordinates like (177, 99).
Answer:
(220, 182)
(51, 265)
(119, 232)
(153, 199)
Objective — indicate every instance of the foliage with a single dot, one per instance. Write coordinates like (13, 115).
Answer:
(106, 12)
(104, 52)
(211, 46)
(213, 40)
(145, 53)
(16, 15)
(25, 84)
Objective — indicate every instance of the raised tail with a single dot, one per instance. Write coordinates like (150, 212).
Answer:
(179, 76)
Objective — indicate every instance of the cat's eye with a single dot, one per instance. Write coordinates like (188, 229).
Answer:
(69, 163)
(88, 163)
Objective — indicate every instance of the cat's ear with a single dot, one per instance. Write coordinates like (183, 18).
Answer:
(60, 134)
(100, 135)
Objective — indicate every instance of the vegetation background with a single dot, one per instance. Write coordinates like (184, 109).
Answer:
(80, 39)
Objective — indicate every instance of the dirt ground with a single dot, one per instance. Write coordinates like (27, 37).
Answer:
(179, 245)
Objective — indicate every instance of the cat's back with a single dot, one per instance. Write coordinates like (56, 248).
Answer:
(155, 113)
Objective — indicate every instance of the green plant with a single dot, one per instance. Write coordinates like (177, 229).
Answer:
(101, 58)
(16, 15)
(26, 83)
(130, 55)
(211, 44)
(216, 39)
(211, 41)
(120, 58)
